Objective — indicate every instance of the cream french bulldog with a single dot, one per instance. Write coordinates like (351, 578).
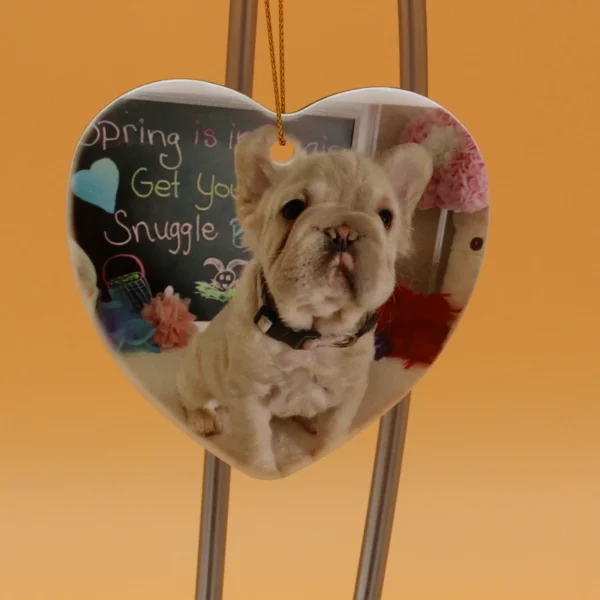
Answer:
(297, 339)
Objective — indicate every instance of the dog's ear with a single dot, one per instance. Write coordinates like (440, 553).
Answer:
(255, 170)
(409, 167)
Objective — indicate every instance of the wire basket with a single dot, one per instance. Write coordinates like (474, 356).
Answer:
(131, 289)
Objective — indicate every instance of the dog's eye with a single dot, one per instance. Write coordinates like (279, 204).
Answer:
(293, 209)
(386, 217)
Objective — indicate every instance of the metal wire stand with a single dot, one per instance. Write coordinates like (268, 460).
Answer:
(392, 428)
(215, 484)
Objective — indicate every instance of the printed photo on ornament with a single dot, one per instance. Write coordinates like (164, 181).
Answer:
(273, 311)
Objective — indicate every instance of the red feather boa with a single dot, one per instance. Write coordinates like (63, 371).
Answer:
(416, 326)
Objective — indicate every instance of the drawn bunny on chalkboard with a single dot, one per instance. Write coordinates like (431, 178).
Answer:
(221, 286)
(226, 277)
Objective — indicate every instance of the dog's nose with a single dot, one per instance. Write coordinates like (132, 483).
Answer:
(340, 237)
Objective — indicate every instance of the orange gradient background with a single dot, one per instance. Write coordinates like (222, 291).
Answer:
(500, 492)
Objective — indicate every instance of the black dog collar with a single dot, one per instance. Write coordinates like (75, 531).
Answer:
(267, 319)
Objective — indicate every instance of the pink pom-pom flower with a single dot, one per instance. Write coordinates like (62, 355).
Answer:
(169, 314)
(459, 181)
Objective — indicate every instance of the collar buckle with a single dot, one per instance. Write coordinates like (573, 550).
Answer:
(345, 341)
(302, 340)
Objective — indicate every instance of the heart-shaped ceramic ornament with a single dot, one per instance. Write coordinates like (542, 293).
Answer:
(274, 310)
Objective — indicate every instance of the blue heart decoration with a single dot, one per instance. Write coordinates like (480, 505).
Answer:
(98, 185)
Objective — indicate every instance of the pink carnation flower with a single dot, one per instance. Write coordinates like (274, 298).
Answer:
(460, 182)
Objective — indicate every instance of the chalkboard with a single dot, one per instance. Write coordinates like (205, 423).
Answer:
(153, 196)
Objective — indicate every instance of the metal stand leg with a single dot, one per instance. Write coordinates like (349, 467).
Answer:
(382, 501)
(215, 485)
(241, 43)
(213, 529)
(392, 428)
(412, 15)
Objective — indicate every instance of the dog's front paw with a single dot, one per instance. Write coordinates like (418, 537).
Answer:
(204, 422)
(309, 425)
(325, 444)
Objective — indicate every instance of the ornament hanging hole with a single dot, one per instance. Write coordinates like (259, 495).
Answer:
(282, 154)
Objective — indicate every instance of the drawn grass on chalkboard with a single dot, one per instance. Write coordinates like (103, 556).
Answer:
(210, 292)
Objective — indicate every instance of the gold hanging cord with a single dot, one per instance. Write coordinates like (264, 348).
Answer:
(278, 87)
